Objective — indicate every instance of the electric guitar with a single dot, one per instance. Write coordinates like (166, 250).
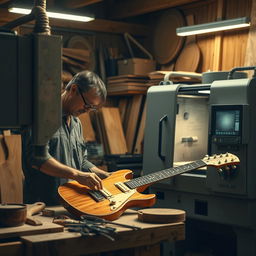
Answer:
(121, 192)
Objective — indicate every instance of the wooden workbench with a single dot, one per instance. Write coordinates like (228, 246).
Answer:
(142, 242)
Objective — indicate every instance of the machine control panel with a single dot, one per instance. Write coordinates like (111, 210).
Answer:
(226, 125)
(226, 135)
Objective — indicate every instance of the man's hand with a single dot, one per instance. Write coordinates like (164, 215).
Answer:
(91, 180)
(101, 173)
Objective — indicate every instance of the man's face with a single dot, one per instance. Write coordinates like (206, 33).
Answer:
(81, 102)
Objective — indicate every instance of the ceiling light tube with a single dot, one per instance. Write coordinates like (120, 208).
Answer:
(213, 26)
(55, 15)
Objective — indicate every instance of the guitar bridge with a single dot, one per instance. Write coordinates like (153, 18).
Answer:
(100, 195)
(96, 195)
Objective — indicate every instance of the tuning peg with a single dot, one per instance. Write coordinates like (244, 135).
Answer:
(207, 157)
(226, 160)
(232, 160)
(226, 154)
(219, 170)
(219, 162)
(214, 156)
(220, 155)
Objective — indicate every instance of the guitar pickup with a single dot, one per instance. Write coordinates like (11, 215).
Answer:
(122, 187)
(96, 195)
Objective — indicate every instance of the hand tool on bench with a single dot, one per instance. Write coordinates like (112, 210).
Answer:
(34, 209)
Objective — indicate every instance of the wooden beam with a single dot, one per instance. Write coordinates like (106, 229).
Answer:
(128, 8)
(98, 25)
(80, 3)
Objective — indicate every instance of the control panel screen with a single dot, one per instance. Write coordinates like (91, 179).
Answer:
(226, 121)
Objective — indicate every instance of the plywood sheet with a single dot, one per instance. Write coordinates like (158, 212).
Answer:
(122, 105)
(138, 148)
(114, 130)
(88, 131)
(133, 121)
(11, 174)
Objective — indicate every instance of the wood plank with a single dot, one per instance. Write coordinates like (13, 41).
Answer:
(80, 3)
(122, 105)
(88, 131)
(26, 229)
(102, 130)
(128, 8)
(138, 148)
(116, 85)
(11, 174)
(112, 88)
(99, 25)
(250, 54)
(128, 81)
(11, 248)
(218, 38)
(114, 130)
(64, 243)
(143, 77)
(126, 92)
(133, 121)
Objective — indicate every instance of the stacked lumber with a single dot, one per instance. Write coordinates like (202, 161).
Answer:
(127, 84)
(77, 59)
(121, 129)
(174, 76)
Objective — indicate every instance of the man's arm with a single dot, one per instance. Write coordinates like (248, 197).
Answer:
(54, 168)
(101, 173)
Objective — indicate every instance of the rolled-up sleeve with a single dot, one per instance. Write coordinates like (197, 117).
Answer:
(31, 156)
(86, 164)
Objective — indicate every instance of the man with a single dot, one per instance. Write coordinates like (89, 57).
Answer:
(67, 152)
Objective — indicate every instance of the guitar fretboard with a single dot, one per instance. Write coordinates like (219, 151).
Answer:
(164, 174)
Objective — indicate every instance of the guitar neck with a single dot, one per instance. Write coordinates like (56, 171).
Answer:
(164, 174)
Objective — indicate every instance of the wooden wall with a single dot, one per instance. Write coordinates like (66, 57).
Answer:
(219, 51)
(223, 50)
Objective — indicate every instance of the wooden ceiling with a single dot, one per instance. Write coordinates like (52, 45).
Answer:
(109, 14)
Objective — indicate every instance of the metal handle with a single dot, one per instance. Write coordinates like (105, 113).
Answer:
(230, 74)
(160, 137)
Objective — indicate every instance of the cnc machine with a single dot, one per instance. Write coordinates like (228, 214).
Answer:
(183, 125)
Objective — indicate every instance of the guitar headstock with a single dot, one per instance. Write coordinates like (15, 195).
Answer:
(221, 160)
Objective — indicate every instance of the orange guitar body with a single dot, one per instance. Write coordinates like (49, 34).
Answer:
(77, 200)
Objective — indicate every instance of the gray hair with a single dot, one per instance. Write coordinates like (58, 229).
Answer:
(87, 80)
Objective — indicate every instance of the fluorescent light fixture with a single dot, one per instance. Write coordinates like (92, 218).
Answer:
(55, 15)
(213, 26)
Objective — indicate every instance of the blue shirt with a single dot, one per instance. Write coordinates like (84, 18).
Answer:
(68, 147)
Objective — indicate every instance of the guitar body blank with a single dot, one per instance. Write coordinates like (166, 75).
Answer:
(77, 200)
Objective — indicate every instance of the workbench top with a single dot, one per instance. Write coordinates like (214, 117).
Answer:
(73, 243)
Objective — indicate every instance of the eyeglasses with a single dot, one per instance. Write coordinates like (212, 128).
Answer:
(87, 106)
